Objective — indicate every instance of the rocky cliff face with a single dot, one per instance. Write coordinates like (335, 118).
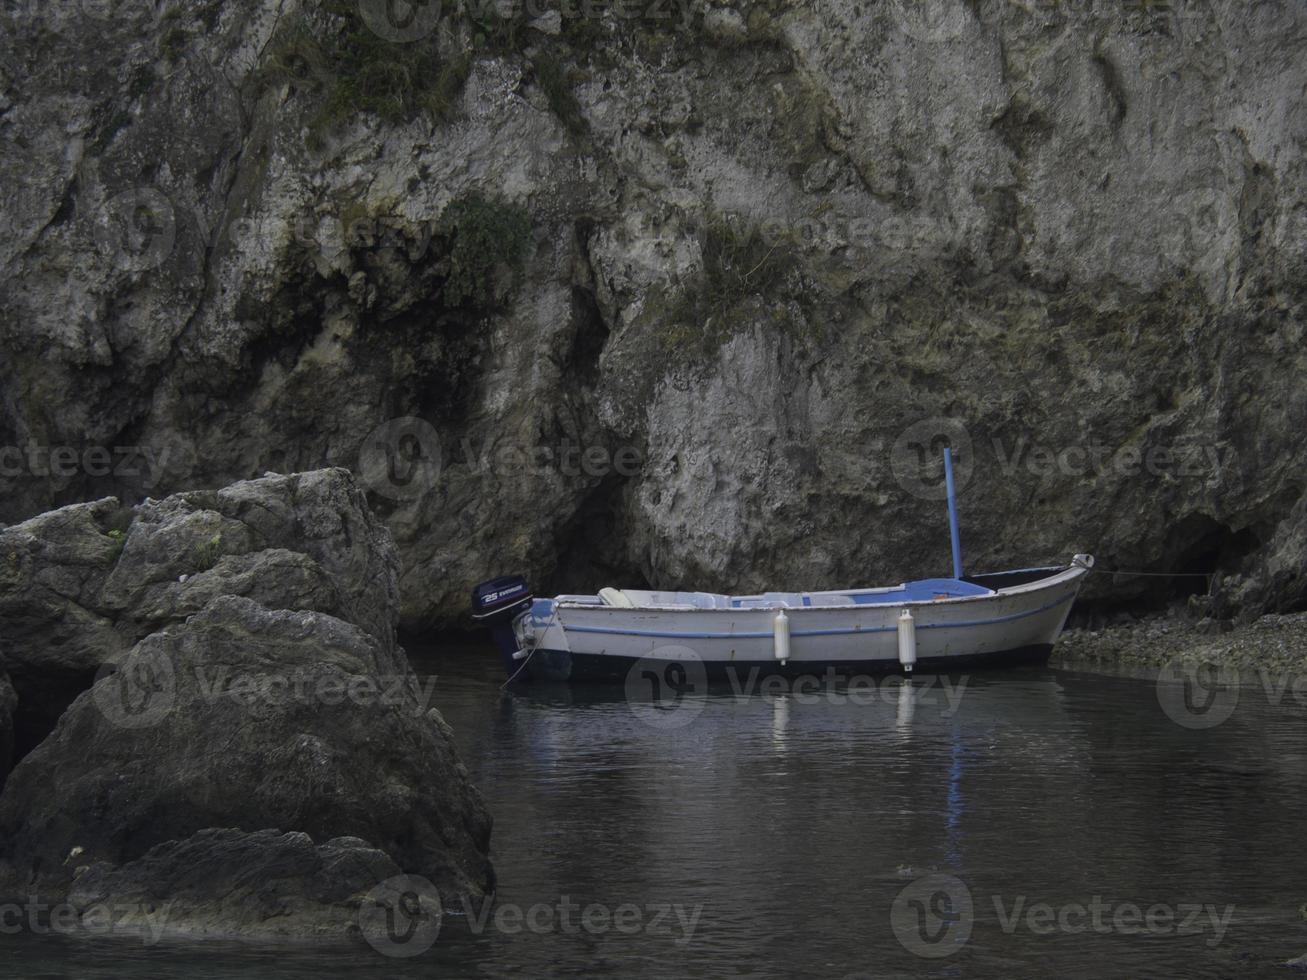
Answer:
(207, 688)
(7, 701)
(774, 256)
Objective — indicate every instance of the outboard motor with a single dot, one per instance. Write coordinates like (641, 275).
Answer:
(497, 604)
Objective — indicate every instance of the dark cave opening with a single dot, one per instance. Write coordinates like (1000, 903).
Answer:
(591, 329)
(283, 343)
(591, 554)
(1212, 548)
(1203, 551)
(41, 703)
(590, 337)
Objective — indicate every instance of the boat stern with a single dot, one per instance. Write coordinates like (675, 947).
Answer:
(500, 604)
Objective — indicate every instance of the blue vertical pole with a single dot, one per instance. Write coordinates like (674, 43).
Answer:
(952, 512)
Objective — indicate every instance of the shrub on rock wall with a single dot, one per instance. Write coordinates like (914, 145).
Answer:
(487, 240)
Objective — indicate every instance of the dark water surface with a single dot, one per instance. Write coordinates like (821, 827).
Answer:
(1052, 812)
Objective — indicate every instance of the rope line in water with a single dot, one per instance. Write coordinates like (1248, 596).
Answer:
(535, 645)
(1122, 571)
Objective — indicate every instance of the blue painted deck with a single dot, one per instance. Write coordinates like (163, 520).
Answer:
(922, 590)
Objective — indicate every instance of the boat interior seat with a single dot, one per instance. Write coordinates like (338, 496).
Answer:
(653, 599)
(768, 600)
(616, 598)
(827, 599)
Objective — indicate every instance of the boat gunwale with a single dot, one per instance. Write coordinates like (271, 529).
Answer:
(1079, 566)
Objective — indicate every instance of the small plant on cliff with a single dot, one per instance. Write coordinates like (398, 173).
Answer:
(740, 261)
(557, 87)
(353, 70)
(173, 43)
(487, 242)
(207, 553)
(174, 39)
(119, 539)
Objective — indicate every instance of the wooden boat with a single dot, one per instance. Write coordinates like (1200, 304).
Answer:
(935, 623)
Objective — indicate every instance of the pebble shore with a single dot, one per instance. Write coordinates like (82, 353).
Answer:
(1273, 642)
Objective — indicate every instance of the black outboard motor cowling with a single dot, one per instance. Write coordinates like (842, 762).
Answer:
(497, 604)
(501, 597)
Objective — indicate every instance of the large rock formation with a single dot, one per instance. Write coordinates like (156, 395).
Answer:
(240, 682)
(81, 585)
(7, 701)
(780, 252)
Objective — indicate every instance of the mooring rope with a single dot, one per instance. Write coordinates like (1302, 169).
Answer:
(535, 645)
(1125, 571)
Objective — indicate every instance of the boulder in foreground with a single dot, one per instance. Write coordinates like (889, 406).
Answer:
(257, 687)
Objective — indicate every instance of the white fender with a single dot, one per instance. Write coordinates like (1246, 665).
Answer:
(781, 636)
(907, 641)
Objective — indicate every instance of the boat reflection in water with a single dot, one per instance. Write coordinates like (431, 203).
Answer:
(792, 819)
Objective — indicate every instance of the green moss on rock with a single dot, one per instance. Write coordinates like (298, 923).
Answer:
(487, 241)
(350, 70)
